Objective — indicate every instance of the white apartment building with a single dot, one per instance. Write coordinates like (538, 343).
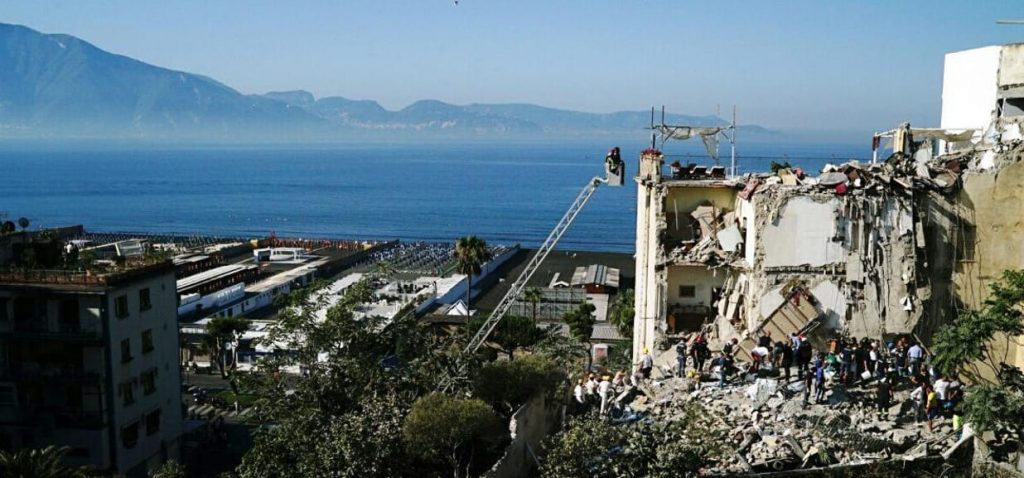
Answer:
(90, 361)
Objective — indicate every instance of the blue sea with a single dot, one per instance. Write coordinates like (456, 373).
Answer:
(505, 193)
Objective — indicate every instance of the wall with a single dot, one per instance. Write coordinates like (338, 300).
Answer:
(682, 198)
(993, 202)
(647, 292)
(528, 427)
(701, 277)
(969, 88)
(802, 234)
(162, 320)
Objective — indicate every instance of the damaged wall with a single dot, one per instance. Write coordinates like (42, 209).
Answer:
(803, 233)
(856, 249)
(991, 233)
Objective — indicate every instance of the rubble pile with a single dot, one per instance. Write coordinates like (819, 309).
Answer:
(773, 430)
(718, 242)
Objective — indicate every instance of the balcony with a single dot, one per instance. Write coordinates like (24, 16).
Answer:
(59, 418)
(40, 330)
(34, 372)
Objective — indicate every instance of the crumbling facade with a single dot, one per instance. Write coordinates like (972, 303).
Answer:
(894, 246)
(783, 253)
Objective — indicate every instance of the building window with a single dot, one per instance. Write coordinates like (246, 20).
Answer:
(149, 382)
(687, 291)
(153, 422)
(7, 395)
(130, 435)
(121, 306)
(144, 302)
(127, 392)
(147, 341)
(966, 243)
(126, 351)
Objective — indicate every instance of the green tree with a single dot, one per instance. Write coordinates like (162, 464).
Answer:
(220, 330)
(170, 469)
(534, 296)
(343, 416)
(364, 442)
(23, 223)
(622, 313)
(511, 333)
(508, 385)
(383, 269)
(37, 463)
(992, 402)
(581, 325)
(454, 430)
(471, 253)
(593, 447)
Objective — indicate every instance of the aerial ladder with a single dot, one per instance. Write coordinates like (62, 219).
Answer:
(614, 173)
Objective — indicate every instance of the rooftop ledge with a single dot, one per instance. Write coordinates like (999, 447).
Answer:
(100, 277)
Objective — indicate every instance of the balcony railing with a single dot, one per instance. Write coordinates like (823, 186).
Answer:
(61, 418)
(39, 329)
(84, 277)
(61, 374)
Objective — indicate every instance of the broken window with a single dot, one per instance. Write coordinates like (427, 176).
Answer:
(1012, 107)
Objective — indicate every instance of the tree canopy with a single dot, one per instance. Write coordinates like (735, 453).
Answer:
(220, 330)
(991, 402)
(511, 333)
(456, 430)
(593, 447)
(38, 463)
(621, 313)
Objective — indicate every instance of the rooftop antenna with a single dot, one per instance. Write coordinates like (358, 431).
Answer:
(732, 144)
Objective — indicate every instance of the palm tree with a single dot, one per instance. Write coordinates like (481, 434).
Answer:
(23, 223)
(471, 253)
(383, 269)
(37, 463)
(533, 296)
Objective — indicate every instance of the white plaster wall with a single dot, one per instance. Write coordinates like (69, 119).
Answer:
(700, 277)
(802, 235)
(162, 319)
(1011, 65)
(747, 217)
(832, 300)
(969, 83)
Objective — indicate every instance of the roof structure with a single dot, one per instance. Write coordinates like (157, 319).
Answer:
(595, 274)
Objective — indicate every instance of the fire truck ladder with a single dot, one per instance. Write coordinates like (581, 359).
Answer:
(517, 287)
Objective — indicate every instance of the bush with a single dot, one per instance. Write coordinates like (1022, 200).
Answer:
(459, 431)
(507, 385)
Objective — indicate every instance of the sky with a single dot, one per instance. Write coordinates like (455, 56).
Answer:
(810, 65)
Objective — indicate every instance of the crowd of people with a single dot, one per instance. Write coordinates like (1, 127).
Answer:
(881, 368)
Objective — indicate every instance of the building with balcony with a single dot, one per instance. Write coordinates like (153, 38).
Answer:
(89, 360)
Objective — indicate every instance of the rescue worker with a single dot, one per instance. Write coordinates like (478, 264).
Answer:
(613, 163)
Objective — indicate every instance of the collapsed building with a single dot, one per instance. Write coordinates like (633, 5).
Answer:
(897, 245)
(889, 247)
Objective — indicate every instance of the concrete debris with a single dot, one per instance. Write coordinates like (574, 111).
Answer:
(774, 433)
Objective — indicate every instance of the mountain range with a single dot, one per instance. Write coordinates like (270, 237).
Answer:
(58, 86)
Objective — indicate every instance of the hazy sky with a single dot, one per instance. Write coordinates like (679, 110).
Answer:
(793, 64)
